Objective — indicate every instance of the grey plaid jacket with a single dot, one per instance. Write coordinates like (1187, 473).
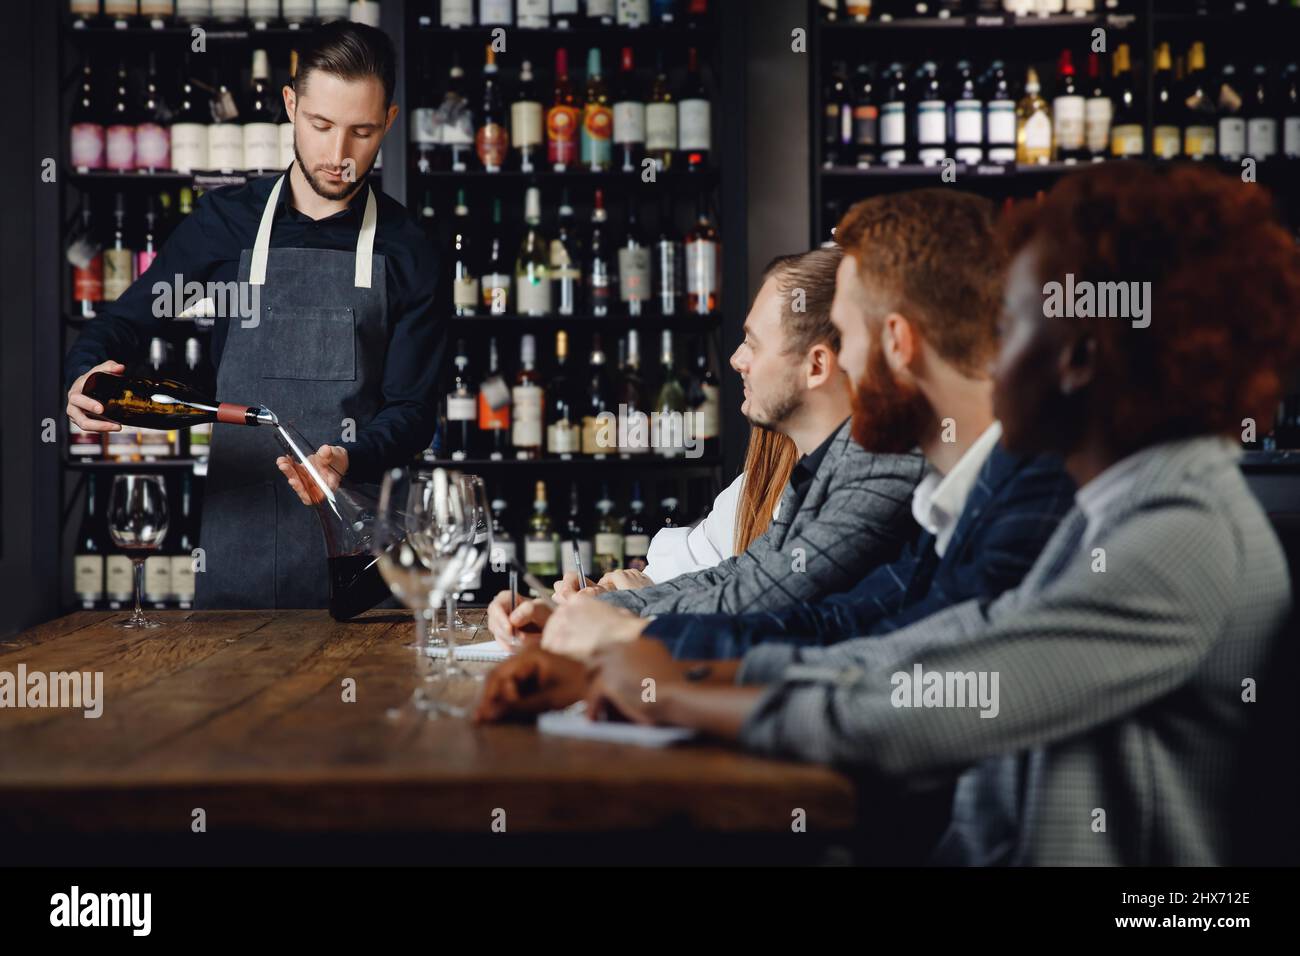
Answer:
(855, 516)
(1122, 715)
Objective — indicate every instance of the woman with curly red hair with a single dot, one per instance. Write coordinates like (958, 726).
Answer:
(1098, 713)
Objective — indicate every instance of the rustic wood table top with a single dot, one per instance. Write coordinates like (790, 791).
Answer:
(243, 713)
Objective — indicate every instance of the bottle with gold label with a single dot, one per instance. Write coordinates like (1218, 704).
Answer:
(1166, 136)
(540, 546)
(1127, 139)
(599, 436)
(1198, 103)
(1033, 124)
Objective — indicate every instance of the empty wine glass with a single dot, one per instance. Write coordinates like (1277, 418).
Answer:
(137, 523)
(474, 493)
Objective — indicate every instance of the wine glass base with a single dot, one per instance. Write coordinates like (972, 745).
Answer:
(138, 622)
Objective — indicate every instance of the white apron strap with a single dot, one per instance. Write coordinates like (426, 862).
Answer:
(366, 242)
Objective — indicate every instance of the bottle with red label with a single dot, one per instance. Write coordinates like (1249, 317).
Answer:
(597, 118)
(121, 125)
(562, 119)
(87, 260)
(88, 132)
(492, 140)
(148, 251)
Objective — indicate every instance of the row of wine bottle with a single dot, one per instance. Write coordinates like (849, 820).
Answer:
(259, 13)
(886, 10)
(895, 116)
(597, 413)
(565, 274)
(596, 129)
(564, 14)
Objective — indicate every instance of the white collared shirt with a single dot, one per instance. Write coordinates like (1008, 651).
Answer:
(938, 500)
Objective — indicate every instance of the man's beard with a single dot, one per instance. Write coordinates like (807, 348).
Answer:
(889, 416)
(782, 409)
(344, 191)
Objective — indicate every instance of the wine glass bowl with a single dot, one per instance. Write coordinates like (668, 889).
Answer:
(137, 523)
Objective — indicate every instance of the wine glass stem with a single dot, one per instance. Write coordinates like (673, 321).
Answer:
(138, 573)
(421, 627)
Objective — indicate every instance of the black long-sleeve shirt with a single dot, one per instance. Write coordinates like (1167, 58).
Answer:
(206, 247)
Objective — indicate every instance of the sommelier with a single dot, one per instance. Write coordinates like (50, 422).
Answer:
(344, 341)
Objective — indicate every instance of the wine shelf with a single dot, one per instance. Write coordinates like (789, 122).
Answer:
(495, 324)
(650, 462)
(219, 32)
(198, 467)
(983, 21)
(706, 178)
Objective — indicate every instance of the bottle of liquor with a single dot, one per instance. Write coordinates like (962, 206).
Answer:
(1000, 116)
(464, 277)
(609, 536)
(540, 546)
(119, 258)
(148, 248)
(152, 138)
(703, 403)
(87, 266)
(226, 134)
(262, 119)
(496, 271)
(1261, 117)
(575, 532)
(1166, 135)
(866, 118)
(455, 123)
(565, 260)
(145, 403)
(526, 120)
(456, 13)
(894, 145)
(634, 424)
(1232, 120)
(189, 132)
(158, 444)
(532, 269)
(668, 421)
(600, 279)
(425, 128)
(694, 112)
(1127, 139)
(932, 123)
(837, 123)
(968, 118)
(462, 408)
(636, 540)
(600, 13)
(661, 119)
(563, 432)
(493, 13)
(88, 134)
(534, 14)
(1033, 124)
(84, 445)
(1198, 107)
(1291, 112)
(703, 262)
(504, 551)
(633, 13)
(493, 139)
(88, 560)
(526, 400)
(182, 558)
(564, 14)
(1097, 111)
(198, 376)
(629, 118)
(668, 262)
(1069, 114)
(158, 579)
(634, 266)
(562, 120)
(120, 136)
(597, 118)
(494, 409)
(597, 441)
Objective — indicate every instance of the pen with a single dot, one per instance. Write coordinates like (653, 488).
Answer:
(577, 562)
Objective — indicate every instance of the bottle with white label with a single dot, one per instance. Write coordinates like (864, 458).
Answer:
(1033, 124)
(261, 119)
(226, 134)
(532, 269)
(526, 403)
(608, 551)
(157, 12)
(661, 119)
(534, 14)
(88, 561)
(1261, 117)
(1000, 117)
(931, 117)
(493, 13)
(327, 10)
(364, 11)
(462, 408)
(1291, 112)
(229, 11)
(600, 13)
(636, 540)
(629, 118)
(968, 118)
(119, 580)
(456, 13)
(262, 13)
(1097, 111)
(464, 276)
(1232, 122)
(182, 559)
(893, 119)
(125, 10)
(298, 12)
(632, 13)
(541, 551)
(694, 112)
(1069, 111)
(1127, 129)
(526, 121)
(703, 262)
(194, 11)
(564, 14)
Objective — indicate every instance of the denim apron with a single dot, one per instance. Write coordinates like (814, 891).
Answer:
(315, 357)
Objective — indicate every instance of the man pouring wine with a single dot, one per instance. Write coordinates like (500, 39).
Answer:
(344, 343)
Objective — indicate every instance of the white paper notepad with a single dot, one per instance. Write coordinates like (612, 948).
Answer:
(573, 722)
(482, 651)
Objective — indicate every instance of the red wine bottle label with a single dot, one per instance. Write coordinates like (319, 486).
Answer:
(88, 283)
(152, 147)
(143, 260)
(121, 148)
(88, 146)
(562, 134)
(493, 143)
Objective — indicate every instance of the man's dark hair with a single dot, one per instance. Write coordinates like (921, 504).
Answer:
(813, 274)
(351, 51)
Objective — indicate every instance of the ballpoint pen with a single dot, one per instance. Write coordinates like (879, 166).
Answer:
(577, 563)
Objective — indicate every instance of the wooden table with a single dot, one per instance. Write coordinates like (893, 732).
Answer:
(242, 714)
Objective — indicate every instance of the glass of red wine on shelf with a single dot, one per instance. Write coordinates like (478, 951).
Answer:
(137, 523)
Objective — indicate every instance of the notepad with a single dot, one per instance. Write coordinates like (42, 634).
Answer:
(571, 723)
(482, 651)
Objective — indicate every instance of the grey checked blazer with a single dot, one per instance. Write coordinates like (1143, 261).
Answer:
(1120, 691)
(855, 516)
